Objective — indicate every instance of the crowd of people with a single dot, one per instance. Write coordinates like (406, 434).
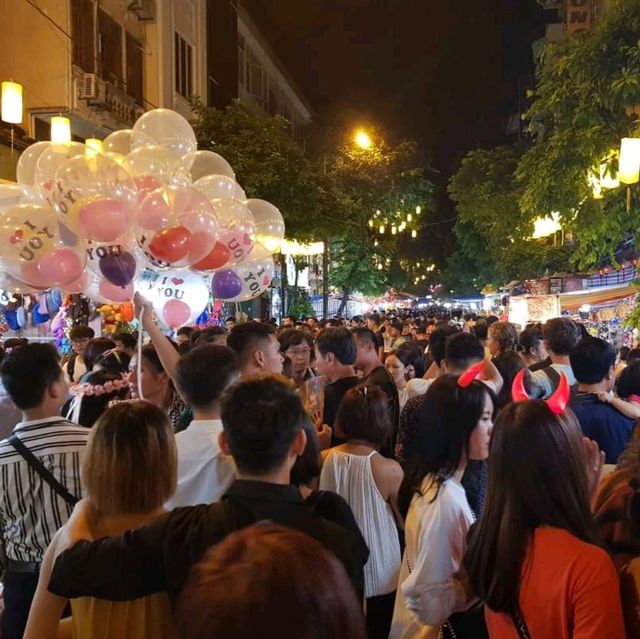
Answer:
(388, 477)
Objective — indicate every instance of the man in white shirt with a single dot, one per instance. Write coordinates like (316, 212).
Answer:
(204, 472)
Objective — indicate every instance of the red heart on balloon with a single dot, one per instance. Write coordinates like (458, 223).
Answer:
(265, 281)
(246, 240)
(17, 237)
(177, 281)
(218, 257)
(171, 244)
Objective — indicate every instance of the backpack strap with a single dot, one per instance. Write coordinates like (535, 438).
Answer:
(39, 468)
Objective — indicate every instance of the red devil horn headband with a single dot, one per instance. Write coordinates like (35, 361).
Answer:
(557, 402)
(470, 374)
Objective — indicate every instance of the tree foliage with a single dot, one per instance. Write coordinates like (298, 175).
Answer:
(581, 110)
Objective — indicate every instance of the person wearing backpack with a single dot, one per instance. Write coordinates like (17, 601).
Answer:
(560, 335)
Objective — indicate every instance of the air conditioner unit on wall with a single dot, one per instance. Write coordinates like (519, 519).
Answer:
(91, 88)
(145, 10)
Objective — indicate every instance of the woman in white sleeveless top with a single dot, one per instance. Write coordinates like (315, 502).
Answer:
(370, 484)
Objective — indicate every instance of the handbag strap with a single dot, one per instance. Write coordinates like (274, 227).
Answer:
(520, 623)
(39, 467)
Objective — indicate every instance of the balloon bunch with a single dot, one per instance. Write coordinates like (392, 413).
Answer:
(148, 213)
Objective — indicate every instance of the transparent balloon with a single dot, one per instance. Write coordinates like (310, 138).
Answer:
(10, 195)
(26, 167)
(176, 226)
(150, 167)
(50, 161)
(269, 223)
(236, 237)
(118, 142)
(202, 163)
(35, 250)
(217, 187)
(178, 297)
(95, 197)
(166, 128)
(117, 263)
(246, 280)
(14, 285)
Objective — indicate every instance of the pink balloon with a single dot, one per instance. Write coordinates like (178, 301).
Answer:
(60, 266)
(154, 212)
(145, 184)
(115, 293)
(104, 220)
(78, 286)
(29, 272)
(175, 313)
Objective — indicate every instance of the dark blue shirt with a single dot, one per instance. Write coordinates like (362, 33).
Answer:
(602, 423)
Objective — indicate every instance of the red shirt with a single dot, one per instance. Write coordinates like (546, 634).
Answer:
(570, 590)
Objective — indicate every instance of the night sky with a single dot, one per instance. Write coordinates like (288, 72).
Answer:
(446, 72)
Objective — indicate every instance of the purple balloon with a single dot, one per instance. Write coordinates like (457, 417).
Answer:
(118, 269)
(226, 285)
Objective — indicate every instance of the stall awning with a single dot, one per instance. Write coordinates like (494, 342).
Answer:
(573, 301)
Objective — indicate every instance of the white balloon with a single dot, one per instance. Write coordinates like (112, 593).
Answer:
(176, 287)
(269, 223)
(167, 128)
(118, 142)
(202, 163)
(26, 167)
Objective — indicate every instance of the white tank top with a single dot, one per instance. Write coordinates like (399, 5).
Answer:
(350, 476)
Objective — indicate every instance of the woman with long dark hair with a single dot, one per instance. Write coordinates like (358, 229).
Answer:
(534, 557)
(455, 428)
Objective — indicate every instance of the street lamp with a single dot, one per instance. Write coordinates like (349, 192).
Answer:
(362, 139)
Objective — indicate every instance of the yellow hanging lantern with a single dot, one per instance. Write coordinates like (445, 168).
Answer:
(629, 161)
(382, 229)
(94, 146)
(60, 130)
(11, 102)
(414, 234)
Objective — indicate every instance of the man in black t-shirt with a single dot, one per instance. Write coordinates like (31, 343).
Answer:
(374, 324)
(374, 373)
(335, 357)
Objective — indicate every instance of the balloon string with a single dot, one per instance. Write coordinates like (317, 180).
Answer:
(139, 362)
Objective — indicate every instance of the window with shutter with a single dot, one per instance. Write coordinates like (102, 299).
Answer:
(134, 69)
(183, 67)
(110, 48)
(83, 35)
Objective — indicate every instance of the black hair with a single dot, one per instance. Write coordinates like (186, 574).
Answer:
(95, 350)
(308, 465)
(375, 318)
(210, 334)
(127, 339)
(623, 353)
(28, 371)
(244, 338)
(261, 418)
(508, 363)
(633, 355)
(364, 414)
(410, 354)
(81, 332)
(591, 360)
(186, 330)
(561, 335)
(14, 342)
(438, 340)
(447, 417)
(481, 330)
(338, 341)
(629, 381)
(231, 318)
(114, 361)
(531, 337)
(205, 372)
(364, 335)
(150, 356)
(94, 405)
(293, 337)
(462, 350)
